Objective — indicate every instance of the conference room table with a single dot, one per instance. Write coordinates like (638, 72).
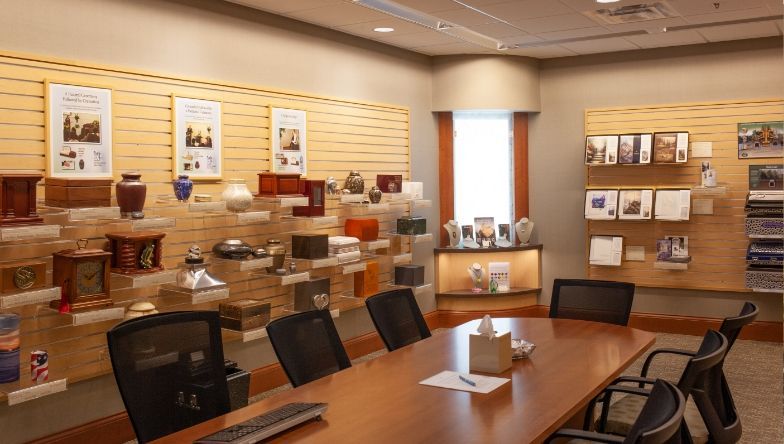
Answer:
(381, 400)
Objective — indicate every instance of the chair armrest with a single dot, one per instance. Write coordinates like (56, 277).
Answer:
(635, 379)
(607, 397)
(582, 434)
(672, 351)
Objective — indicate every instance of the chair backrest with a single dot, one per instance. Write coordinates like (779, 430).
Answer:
(660, 419)
(308, 346)
(170, 371)
(590, 300)
(709, 356)
(397, 318)
(732, 326)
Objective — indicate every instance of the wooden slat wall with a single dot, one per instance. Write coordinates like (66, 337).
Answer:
(717, 242)
(342, 135)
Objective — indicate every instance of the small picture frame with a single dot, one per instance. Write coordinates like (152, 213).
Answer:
(484, 228)
(671, 147)
(601, 149)
(467, 232)
(634, 149)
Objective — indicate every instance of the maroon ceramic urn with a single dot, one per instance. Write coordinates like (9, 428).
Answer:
(131, 193)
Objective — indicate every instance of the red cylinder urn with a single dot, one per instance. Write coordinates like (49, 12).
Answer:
(131, 193)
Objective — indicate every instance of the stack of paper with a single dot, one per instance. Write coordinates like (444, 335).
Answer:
(606, 250)
(673, 204)
(465, 382)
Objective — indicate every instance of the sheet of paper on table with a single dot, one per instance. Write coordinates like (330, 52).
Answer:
(451, 380)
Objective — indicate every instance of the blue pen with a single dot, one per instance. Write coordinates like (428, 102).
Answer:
(467, 381)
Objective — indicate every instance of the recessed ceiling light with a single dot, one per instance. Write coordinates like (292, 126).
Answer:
(607, 1)
(383, 29)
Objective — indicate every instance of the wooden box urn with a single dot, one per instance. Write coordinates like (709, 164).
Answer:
(366, 281)
(363, 229)
(314, 189)
(411, 225)
(17, 199)
(244, 314)
(278, 184)
(136, 252)
(309, 246)
(21, 276)
(83, 275)
(311, 295)
(77, 193)
(410, 275)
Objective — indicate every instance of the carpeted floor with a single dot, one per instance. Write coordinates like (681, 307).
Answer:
(754, 370)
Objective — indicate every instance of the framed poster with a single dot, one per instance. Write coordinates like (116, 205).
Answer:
(288, 143)
(601, 150)
(484, 228)
(764, 139)
(197, 148)
(601, 204)
(670, 147)
(766, 178)
(635, 204)
(634, 149)
(78, 130)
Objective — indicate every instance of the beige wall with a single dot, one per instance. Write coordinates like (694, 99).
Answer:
(470, 82)
(738, 70)
(207, 39)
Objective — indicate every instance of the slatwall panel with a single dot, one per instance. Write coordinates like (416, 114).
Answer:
(342, 135)
(717, 242)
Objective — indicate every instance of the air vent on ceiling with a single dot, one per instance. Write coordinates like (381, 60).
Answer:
(632, 13)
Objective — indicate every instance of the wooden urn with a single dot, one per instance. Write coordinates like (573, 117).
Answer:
(136, 252)
(17, 199)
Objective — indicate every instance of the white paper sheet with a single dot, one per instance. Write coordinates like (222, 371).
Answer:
(451, 380)
(702, 149)
(673, 204)
(635, 253)
(606, 250)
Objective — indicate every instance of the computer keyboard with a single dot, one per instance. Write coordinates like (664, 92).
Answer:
(266, 424)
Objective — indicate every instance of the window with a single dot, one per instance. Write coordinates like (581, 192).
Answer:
(483, 167)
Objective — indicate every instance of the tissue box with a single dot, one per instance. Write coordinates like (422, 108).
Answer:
(309, 246)
(411, 225)
(363, 229)
(490, 356)
(410, 275)
(304, 292)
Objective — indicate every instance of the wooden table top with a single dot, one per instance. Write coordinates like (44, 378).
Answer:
(381, 400)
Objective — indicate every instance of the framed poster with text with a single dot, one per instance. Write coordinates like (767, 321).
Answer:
(288, 141)
(197, 148)
(78, 130)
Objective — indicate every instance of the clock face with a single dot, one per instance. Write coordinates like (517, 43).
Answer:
(24, 277)
(89, 277)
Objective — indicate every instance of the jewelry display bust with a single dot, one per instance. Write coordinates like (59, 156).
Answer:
(523, 228)
(454, 233)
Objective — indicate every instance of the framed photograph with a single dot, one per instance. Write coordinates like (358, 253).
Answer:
(390, 183)
(760, 139)
(663, 249)
(679, 245)
(635, 204)
(670, 147)
(601, 150)
(78, 130)
(634, 149)
(288, 141)
(503, 232)
(197, 148)
(601, 204)
(467, 232)
(484, 227)
(766, 178)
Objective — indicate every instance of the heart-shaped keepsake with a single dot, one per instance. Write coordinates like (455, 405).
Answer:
(321, 301)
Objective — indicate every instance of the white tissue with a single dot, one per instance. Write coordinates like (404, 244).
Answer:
(486, 327)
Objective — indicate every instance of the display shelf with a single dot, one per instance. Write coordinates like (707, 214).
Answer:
(120, 281)
(16, 392)
(699, 191)
(768, 290)
(284, 201)
(417, 289)
(414, 238)
(404, 258)
(289, 308)
(287, 279)
(396, 197)
(353, 267)
(352, 198)
(204, 207)
(246, 335)
(38, 296)
(451, 250)
(99, 213)
(253, 217)
(195, 297)
(420, 203)
(244, 264)
(664, 265)
(765, 236)
(153, 223)
(29, 232)
(312, 264)
(313, 222)
(377, 244)
(95, 316)
(366, 207)
(348, 257)
(513, 291)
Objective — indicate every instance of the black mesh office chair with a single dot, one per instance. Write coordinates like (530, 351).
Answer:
(308, 346)
(397, 318)
(716, 405)
(701, 380)
(589, 300)
(659, 420)
(170, 371)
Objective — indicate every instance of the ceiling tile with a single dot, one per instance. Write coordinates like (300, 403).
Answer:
(418, 39)
(573, 33)
(340, 14)
(600, 45)
(543, 52)
(727, 16)
(554, 23)
(464, 16)
(278, 6)
(694, 7)
(429, 6)
(740, 31)
(662, 39)
(522, 40)
(526, 9)
(497, 30)
(454, 48)
(401, 27)
(647, 24)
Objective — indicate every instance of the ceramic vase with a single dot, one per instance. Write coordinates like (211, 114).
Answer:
(232, 249)
(355, 184)
(278, 252)
(237, 196)
(374, 195)
(182, 187)
(131, 193)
